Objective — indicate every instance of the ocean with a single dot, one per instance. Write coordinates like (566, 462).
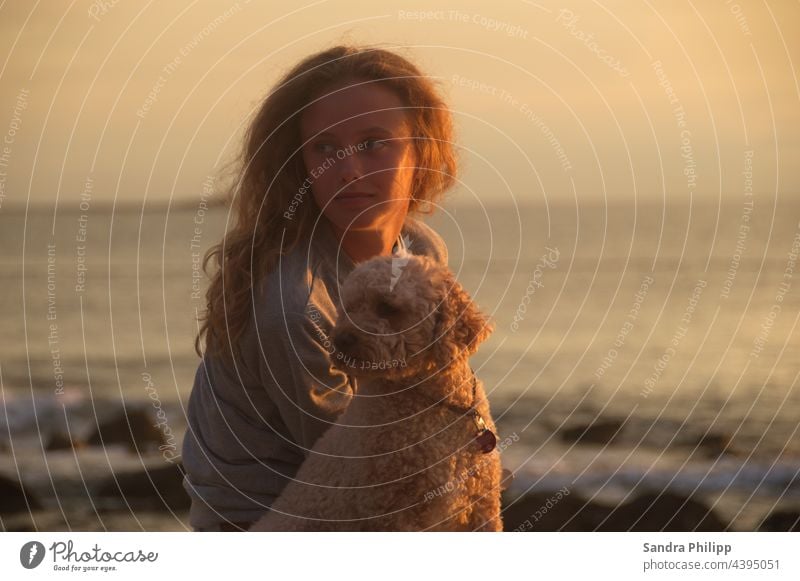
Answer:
(648, 346)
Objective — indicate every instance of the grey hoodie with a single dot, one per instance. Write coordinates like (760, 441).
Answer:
(250, 427)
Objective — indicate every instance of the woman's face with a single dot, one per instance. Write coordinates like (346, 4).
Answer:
(358, 155)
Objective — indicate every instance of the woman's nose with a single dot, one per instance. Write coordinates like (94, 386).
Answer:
(348, 165)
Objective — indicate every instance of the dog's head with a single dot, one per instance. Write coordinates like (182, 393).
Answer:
(404, 317)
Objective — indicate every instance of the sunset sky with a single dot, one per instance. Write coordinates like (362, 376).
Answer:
(557, 101)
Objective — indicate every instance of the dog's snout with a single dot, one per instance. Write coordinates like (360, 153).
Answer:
(345, 340)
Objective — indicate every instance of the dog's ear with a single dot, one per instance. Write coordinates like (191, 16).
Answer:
(460, 326)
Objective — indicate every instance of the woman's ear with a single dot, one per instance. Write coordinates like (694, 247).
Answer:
(460, 326)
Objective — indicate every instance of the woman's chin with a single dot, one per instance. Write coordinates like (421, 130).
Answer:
(360, 223)
(360, 219)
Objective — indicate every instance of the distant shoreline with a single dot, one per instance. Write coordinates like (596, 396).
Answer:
(219, 202)
(122, 208)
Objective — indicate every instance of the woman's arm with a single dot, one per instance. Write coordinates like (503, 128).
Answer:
(292, 360)
(250, 427)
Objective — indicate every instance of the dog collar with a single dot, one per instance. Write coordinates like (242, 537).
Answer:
(485, 438)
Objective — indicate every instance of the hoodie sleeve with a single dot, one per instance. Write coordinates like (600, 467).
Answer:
(293, 364)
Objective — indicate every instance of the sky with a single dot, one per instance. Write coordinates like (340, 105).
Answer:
(141, 102)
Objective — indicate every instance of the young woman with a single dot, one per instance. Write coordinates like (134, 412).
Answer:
(349, 144)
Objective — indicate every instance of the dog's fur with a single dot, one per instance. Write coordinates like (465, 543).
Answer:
(397, 459)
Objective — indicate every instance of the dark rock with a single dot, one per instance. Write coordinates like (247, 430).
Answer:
(600, 432)
(137, 430)
(59, 441)
(711, 445)
(18, 525)
(663, 512)
(782, 520)
(549, 511)
(14, 498)
(545, 511)
(158, 489)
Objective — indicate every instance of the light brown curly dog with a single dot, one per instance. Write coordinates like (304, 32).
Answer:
(407, 454)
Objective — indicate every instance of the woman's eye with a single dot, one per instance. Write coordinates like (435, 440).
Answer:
(385, 309)
(375, 144)
(323, 147)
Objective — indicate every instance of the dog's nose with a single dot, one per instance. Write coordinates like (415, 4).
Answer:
(344, 340)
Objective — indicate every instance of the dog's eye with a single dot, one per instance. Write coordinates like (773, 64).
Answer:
(386, 309)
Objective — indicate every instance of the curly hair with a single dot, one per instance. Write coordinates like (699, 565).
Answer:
(270, 171)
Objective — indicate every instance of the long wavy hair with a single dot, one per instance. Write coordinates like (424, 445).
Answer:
(270, 171)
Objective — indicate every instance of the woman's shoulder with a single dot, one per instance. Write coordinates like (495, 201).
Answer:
(422, 239)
